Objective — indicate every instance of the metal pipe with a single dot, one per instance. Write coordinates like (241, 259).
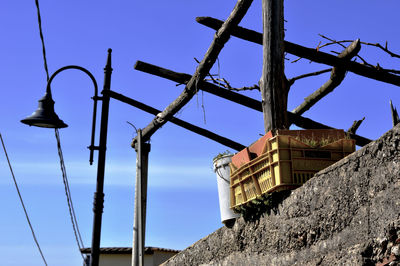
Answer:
(98, 200)
(139, 226)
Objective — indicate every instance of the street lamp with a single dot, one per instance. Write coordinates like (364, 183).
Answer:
(45, 116)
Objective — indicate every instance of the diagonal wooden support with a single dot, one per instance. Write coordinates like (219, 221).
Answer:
(251, 103)
(198, 130)
(220, 38)
(308, 53)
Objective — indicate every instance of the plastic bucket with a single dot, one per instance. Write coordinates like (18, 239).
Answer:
(222, 170)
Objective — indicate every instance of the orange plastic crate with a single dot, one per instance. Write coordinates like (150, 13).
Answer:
(284, 161)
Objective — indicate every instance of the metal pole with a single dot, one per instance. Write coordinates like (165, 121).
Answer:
(98, 199)
(139, 226)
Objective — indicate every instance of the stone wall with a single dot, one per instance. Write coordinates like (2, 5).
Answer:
(348, 214)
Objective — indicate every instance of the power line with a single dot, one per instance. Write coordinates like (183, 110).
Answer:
(22, 202)
(71, 209)
(42, 39)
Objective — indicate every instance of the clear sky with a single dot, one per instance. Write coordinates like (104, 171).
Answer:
(182, 193)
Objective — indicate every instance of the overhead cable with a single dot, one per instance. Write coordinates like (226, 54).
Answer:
(71, 209)
(22, 202)
(64, 174)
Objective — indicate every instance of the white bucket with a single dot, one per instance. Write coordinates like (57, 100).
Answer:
(222, 170)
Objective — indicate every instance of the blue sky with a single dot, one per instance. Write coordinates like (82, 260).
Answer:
(182, 194)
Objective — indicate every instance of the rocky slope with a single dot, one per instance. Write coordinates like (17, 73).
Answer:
(348, 214)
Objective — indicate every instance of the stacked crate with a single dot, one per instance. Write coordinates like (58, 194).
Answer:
(284, 160)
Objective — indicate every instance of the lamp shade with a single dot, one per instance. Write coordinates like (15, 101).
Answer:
(45, 115)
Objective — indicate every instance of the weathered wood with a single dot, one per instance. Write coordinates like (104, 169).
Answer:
(183, 78)
(273, 84)
(337, 76)
(198, 130)
(251, 103)
(355, 126)
(395, 115)
(309, 53)
(316, 73)
(220, 38)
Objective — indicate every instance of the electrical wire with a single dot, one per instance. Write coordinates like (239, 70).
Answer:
(71, 209)
(22, 202)
(42, 39)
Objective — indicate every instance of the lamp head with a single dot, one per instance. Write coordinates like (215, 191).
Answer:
(45, 115)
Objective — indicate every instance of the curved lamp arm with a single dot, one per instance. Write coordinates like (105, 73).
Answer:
(48, 90)
(95, 99)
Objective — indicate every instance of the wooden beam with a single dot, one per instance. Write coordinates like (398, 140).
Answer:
(183, 78)
(309, 53)
(220, 38)
(337, 76)
(251, 103)
(198, 130)
(273, 84)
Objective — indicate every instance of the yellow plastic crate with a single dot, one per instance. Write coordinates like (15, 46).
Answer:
(285, 163)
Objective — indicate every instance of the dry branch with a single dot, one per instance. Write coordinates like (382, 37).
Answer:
(308, 53)
(332, 41)
(254, 87)
(251, 103)
(355, 126)
(378, 45)
(337, 76)
(221, 37)
(292, 80)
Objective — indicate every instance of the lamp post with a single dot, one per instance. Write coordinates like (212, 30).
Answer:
(45, 116)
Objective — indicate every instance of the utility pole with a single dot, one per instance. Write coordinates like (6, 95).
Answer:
(273, 83)
(139, 224)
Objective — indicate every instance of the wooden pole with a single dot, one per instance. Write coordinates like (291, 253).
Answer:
(273, 84)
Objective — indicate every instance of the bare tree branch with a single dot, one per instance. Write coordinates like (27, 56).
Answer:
(378, 45)
(221, 82)
(337, 76)
(292, 80)
(332, 41)
(254, 87)
(355, 126)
